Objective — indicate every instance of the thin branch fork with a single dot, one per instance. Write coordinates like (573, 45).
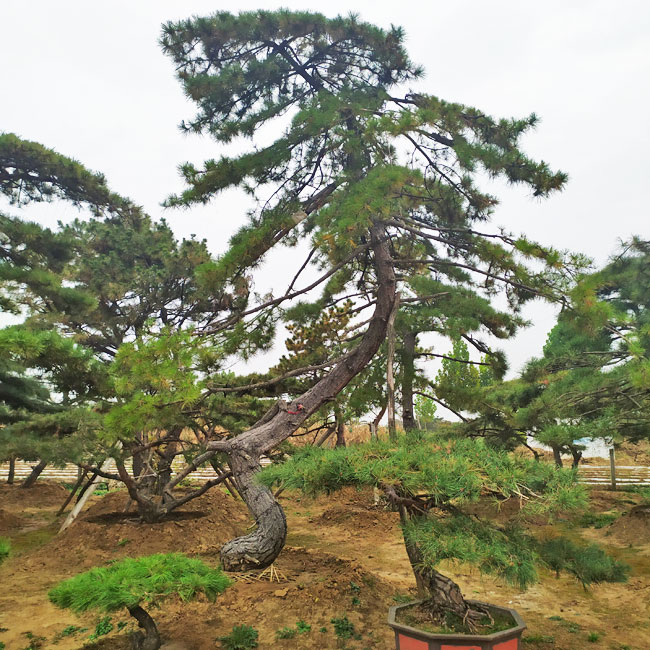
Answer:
(438, 401)
(444, 356)
(217, 327)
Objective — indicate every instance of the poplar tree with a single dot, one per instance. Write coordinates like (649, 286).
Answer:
(381, 183)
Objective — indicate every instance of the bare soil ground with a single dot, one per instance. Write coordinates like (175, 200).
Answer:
(344, 557)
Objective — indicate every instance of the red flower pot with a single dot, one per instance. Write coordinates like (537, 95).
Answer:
(411, 638)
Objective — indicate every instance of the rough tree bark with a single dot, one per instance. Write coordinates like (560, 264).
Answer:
(263, 545)
(557, 456)
(36, 472)
(260, 548)
(340, 428)
(408, 374)
(441, 594)
(576, 455)
(150, 639)
(390, 374)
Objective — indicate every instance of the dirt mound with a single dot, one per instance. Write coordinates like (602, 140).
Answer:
(9, 521)
(105, 532)
(359, 518)
(42, 495)
(632, 528)
(317, 588)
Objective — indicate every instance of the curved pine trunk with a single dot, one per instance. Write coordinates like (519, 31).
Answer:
(150, 639)
(36, 472)
(258, 549)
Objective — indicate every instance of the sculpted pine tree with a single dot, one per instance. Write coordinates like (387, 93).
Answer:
(380, 184)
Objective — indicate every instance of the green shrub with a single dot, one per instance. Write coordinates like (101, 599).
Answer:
(302, 627)
(593, 637)
(343, 628)
(242, 637)
(103, 627)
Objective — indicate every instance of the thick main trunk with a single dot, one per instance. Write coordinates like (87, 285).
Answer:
(576, 455)
(36, 472)
(441, 594)
(340, 429)
(557, 456)
(408, 374)
(12, 470)
(258, 549)
(150, 640)
(261, 547)
(390, 371)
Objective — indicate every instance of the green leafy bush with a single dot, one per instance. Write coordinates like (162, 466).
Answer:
(242, 637)
(302, 627)
(103, 627)
(343, 628)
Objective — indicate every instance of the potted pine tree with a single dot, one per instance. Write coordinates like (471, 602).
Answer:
(133, 582)
(433, 481)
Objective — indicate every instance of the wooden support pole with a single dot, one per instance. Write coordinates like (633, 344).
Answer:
(70, 496)
(612, 467)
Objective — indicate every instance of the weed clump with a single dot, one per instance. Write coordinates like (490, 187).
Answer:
(242, 637)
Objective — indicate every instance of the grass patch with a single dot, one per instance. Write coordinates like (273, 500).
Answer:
(242, 637)
(538, 639)
(598, 520)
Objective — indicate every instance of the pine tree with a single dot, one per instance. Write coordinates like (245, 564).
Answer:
(101, 284)
(432, 481)
(382, 185)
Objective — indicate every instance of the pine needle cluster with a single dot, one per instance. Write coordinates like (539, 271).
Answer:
(437, 479)
(133, 581)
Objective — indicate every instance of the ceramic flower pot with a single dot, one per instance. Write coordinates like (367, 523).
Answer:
(411, 638)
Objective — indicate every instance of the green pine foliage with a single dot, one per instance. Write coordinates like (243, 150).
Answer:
(588, 563)
(593, 380)
(145, 580)
(444, 476)
(506, 552)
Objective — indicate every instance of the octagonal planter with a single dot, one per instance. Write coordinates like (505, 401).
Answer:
(411, 638)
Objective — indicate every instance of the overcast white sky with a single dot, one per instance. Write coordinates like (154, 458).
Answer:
(89, 79)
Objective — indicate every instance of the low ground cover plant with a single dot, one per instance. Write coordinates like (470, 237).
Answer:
(242, 637)
(134, 582)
